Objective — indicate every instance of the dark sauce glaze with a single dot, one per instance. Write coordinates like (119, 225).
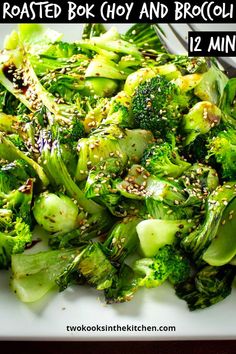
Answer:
(9, 71)
(32, 244)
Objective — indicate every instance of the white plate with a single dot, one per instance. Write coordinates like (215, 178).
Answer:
(77, 306)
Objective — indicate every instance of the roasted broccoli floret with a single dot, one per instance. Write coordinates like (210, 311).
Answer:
(120, 111)
(71, 134)
(164, 160)
(16, 190)
(157, 105)
(149, 272)
(166, 264)
(14, 241)
(197, 150)
(223, 148)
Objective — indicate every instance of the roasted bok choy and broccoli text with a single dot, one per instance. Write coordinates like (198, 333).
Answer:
(124, 155)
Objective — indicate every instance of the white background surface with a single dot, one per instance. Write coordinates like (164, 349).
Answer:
(80, 305)
(48, 319)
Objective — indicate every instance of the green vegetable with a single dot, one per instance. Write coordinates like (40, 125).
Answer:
(10, 152)
(223, 148)
(139, 184)
(143, 35)
(122, 240)
(111, 41)
(123, 287)
(200, 119)
(209, 286)
(154, 234)
(118, 150)
(191, 65)
(149, 272)
(120, 111)
(136, 78)
(164, 160)
(56, 213)
(14, 241)
(157, 105)
(223, 247)
(187, 83)
(167, 263)
(212, 85)
(199, 240)
(111, 141)
(227, 103)
(16, 190)
(34, 275)
(93, 265)
(92, 30)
